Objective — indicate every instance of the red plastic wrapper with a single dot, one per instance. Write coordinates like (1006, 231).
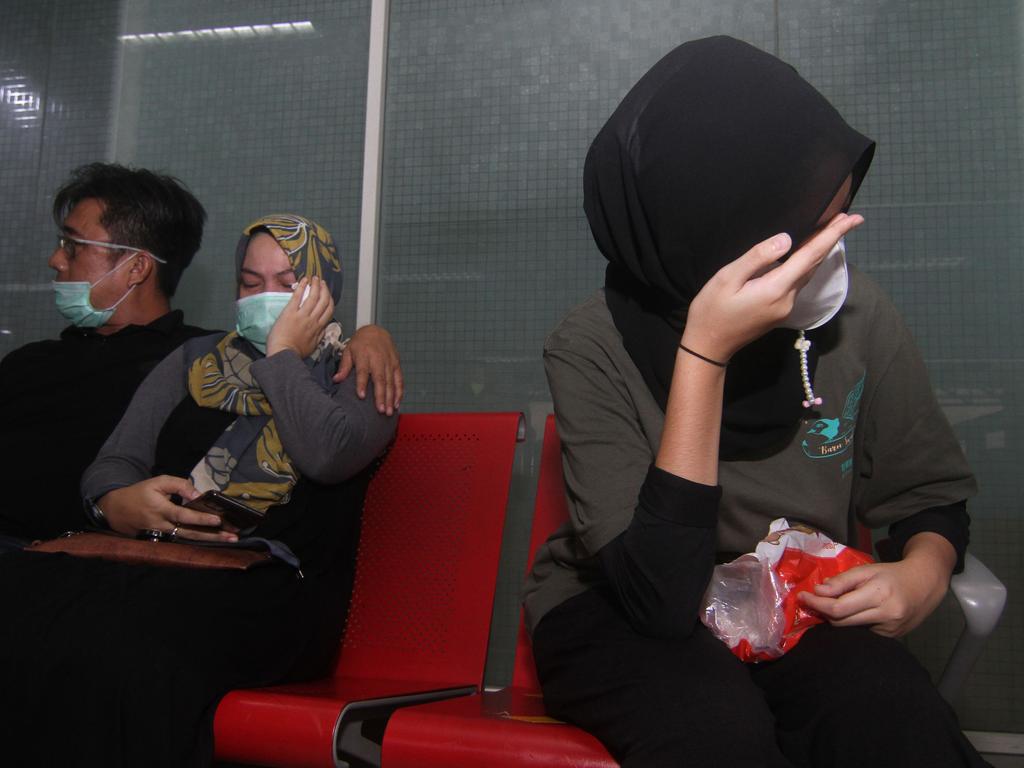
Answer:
(751, 603)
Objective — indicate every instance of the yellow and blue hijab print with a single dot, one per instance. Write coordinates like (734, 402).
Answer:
(309, 247)
(248, 460)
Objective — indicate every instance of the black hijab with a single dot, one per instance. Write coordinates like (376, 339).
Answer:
(716, 148)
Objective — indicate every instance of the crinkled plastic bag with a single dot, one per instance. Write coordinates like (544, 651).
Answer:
(751, 603)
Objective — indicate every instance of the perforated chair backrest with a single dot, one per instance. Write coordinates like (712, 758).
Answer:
(428, 553)
(550, 510)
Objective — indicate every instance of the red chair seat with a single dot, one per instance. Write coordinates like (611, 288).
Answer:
(299, 724)
(419, 618)
(499, 729)
(506, 728)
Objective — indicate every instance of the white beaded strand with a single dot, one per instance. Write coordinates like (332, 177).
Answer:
(803, 344)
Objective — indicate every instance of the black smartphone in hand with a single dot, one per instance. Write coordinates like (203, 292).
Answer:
(236, 513)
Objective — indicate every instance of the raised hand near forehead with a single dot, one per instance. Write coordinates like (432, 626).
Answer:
(753, 294)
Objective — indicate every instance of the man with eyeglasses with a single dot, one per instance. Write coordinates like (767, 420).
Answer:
(125, 238)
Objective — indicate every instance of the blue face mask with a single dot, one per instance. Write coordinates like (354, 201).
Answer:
(74, 303)
(256, 315)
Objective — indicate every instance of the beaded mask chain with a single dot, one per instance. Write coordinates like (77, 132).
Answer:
(803, 344)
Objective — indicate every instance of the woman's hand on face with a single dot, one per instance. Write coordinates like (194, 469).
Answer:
(299, 328)
(147, 505)
(753, 294)
(892, 597)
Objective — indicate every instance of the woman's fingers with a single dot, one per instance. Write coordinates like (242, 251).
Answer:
(169, 485)
(203, 534)
(302, 322)
(183, 516)
(310, 301)
(799, 267)
(296, 302)
(147, 504)
(318, 300)
(326, 311)
(193, 524)
(759, 258)
(318, 309)
(864, 598)
(754, 293)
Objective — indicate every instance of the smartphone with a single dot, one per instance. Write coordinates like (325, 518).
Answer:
(232, 510)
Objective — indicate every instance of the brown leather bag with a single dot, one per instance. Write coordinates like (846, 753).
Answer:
(122, 549)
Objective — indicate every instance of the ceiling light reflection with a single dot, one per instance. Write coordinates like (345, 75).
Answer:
(18, 98)
(241, 32)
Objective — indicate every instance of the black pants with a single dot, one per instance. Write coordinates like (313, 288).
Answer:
(841, 697)
(114, 665)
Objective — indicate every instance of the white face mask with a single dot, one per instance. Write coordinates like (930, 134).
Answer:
(823, 296)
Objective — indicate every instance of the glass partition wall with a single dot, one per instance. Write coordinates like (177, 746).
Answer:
(58, 64)
(260, 106)
(490, 108)
(257, 106)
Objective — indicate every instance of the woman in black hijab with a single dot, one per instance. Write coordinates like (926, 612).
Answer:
(713, 386)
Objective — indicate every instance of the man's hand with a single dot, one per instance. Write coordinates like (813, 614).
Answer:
(373, 355)
(146, 505)
(892, 597)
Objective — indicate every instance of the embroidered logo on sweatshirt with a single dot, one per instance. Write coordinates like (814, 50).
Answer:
(832, 436)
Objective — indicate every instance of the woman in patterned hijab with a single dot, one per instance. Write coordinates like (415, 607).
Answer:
(276, 252)
(254, 415)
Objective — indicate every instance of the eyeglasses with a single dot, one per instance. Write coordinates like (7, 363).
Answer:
(67, 244)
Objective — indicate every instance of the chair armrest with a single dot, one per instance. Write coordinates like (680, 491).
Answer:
(982, 598)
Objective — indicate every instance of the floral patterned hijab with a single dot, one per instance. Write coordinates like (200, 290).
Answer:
(248, 461)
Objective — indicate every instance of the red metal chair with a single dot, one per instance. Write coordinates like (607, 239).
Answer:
(509, 728)
(506, 728)
(419, 618)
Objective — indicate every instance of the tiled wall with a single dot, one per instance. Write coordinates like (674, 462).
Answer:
(938, 85)
(256, 118)
(490, 108)
(57, 69)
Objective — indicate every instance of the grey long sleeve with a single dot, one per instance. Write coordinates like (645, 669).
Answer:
(330, 438)
(128, 454)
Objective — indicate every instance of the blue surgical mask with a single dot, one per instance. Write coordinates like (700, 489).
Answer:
(255, 316)
(74, 302)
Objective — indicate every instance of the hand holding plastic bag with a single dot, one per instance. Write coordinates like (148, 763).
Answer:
(751, 603)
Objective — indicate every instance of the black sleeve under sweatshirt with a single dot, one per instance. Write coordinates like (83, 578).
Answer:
(659, 567)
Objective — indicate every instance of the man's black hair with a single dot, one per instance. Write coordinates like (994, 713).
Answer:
(140, 208)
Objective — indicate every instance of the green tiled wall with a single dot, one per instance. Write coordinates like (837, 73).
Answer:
(490, 107)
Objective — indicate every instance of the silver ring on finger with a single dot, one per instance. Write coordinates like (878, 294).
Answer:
(174, 533)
